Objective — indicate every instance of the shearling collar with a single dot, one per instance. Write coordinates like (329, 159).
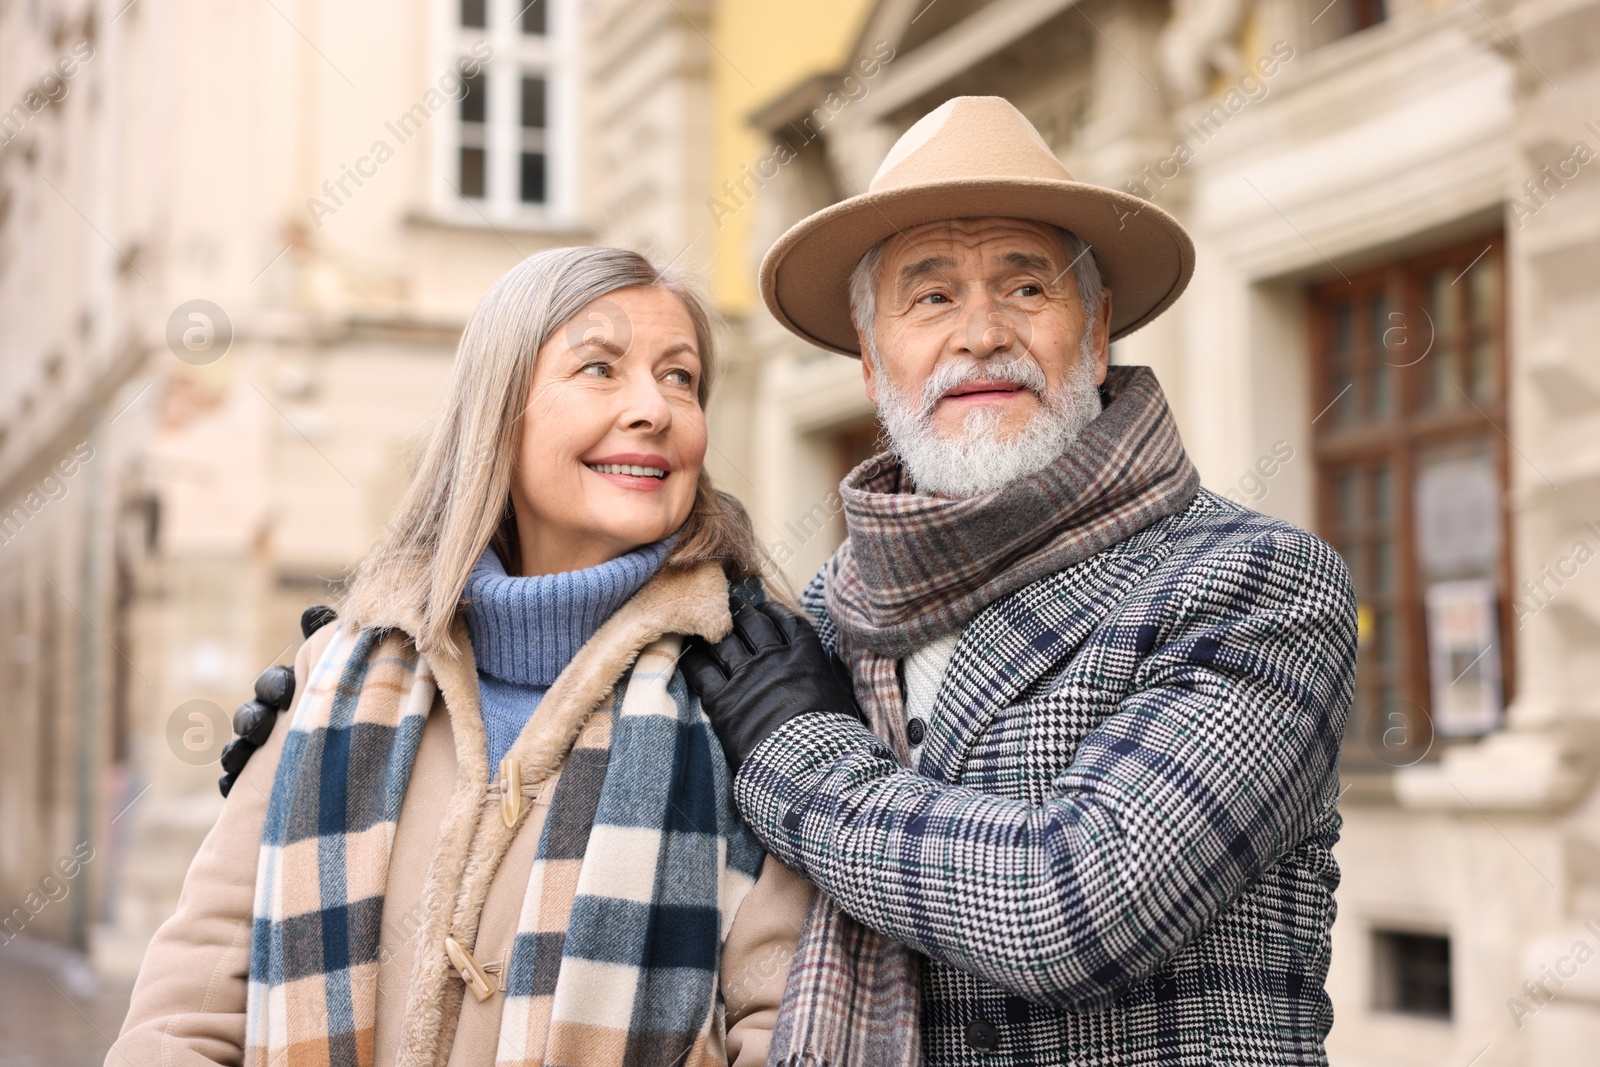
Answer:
(677, 601)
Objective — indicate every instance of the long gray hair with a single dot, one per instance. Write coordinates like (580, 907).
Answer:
(459, 499)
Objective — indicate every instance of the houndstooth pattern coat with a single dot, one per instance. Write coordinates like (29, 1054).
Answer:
(1117, 847)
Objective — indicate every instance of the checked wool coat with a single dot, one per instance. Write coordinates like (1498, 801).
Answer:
(1116, 848)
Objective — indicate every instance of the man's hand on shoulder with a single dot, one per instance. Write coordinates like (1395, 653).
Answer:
(770, 669)
(274, 692)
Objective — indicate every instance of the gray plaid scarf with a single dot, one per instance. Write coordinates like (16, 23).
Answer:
(916, 568)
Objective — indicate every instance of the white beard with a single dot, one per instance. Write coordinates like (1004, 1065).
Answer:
(978, 461)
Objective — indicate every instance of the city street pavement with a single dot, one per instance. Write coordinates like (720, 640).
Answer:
(54, 1010)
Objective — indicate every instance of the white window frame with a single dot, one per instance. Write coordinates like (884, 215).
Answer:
(555, 57)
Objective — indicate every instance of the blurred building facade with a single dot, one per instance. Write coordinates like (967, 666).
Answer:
(237, 245)
(1396, 215)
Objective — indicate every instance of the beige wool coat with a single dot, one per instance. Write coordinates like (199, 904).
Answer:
(188, 1006)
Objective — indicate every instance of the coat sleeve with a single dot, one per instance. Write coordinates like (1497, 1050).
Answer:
(756, 958)
(1221, 758)
(188, 1003)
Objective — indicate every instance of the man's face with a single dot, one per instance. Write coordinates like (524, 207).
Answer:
(984, 349)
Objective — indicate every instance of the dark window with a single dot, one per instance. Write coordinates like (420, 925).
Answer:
(473, 167)
(475, 101)
(533, 188)
(1412, 973)
(1364, 14)
(1333, 19)
(475, 14)
(533, 103)
(1410, 446)
(533, 17)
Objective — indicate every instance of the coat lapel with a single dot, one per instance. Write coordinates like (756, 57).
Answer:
(1016, 640)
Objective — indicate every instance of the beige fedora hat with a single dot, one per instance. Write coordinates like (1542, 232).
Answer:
(973, 156)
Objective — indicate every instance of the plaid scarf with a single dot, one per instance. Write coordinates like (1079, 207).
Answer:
(641, 863)
(916, 568)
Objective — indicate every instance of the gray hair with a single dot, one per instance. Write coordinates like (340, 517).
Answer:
(864, 284)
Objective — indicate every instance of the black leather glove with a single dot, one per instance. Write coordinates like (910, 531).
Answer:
(253, 722)
(254, 719)
(770, 669)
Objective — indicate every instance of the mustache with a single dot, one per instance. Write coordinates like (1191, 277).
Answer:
(1016, 367)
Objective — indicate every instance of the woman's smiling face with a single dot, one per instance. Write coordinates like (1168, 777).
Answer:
(613, 433)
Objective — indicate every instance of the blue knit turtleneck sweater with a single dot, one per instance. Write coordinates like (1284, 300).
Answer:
(526, 630)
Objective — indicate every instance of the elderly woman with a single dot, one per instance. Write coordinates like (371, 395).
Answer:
(497, 828)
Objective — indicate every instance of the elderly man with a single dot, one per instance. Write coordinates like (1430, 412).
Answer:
(1092, 819)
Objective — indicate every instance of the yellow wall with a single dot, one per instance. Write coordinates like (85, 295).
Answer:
(767, 47)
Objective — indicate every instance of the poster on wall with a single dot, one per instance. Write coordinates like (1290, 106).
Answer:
(1458, 518)
(1463, 657)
